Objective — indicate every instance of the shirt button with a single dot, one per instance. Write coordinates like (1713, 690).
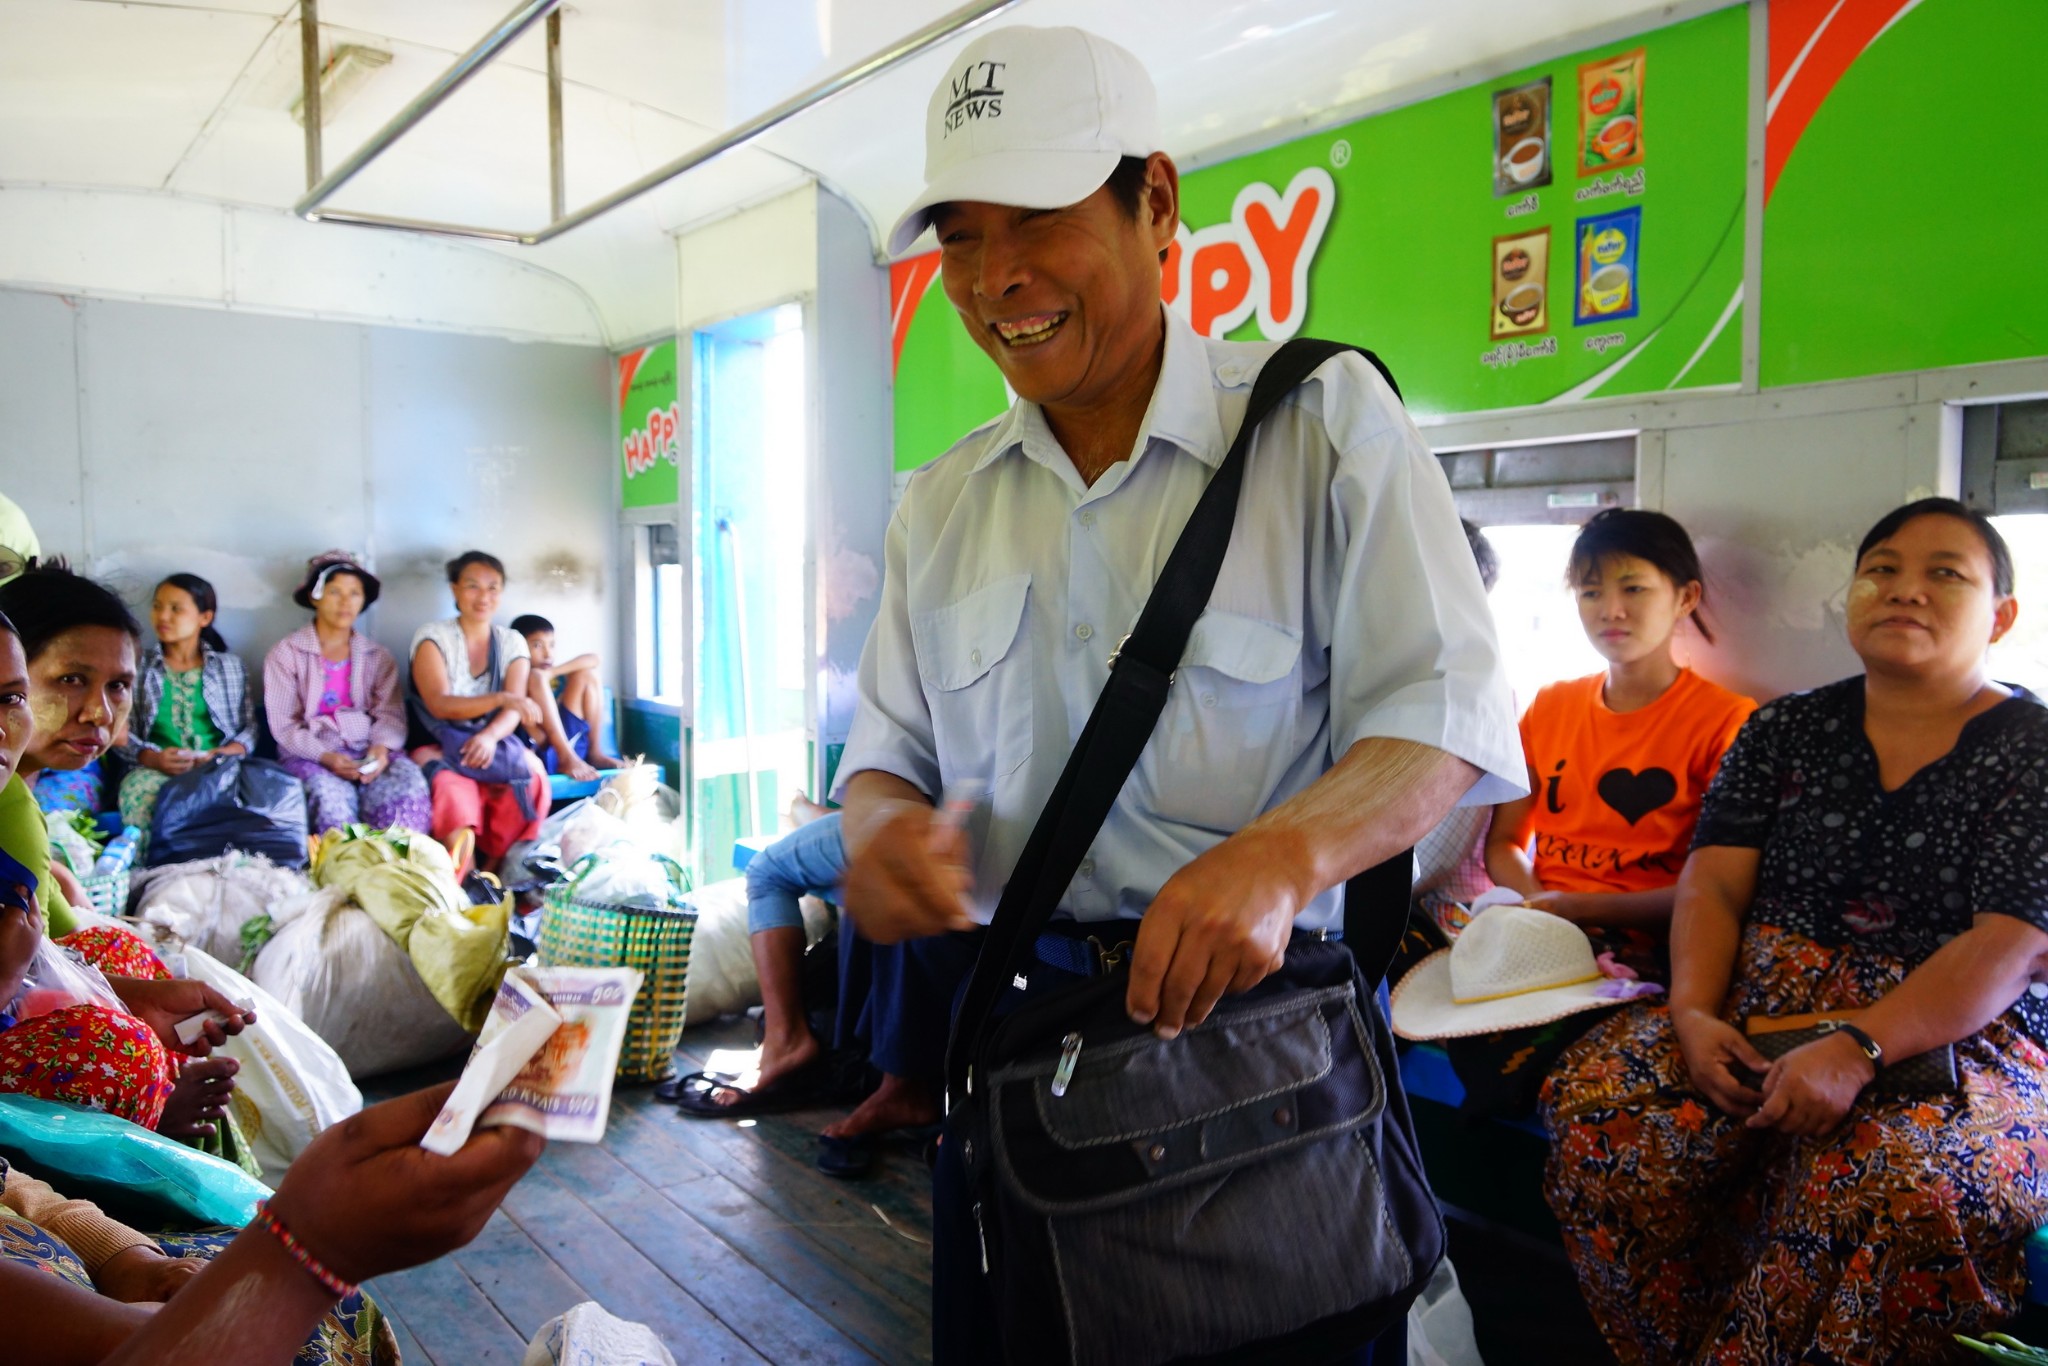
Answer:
(974, 658)
(1087, 868)
(1087, 519)
(1208, 699)
(1083, 631)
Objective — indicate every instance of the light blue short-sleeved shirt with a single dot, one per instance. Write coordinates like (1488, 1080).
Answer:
(1348, 606)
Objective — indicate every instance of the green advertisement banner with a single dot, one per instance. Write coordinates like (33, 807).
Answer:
(1601, 195)
(650, 426)
(1901, 213)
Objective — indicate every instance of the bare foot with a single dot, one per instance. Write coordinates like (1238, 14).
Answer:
(605, 761)
(898, 1103)
(581, 772)
(200, 1098)
(802, 810)
(778, 1059)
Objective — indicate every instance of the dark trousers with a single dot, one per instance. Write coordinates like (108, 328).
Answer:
(897, 999)
(964, 1329)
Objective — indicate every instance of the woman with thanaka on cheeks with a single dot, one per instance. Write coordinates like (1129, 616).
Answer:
(79, 641)
(1870, 854)
(1619, 760)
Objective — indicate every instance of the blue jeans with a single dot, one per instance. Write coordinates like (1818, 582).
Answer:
(809, 861)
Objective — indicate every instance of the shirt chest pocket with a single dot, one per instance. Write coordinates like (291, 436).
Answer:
(974, 659)
(1227, 736)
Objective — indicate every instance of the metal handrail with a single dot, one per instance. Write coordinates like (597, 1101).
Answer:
(517, 22)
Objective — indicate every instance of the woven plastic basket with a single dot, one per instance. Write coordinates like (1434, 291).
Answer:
(109, 892)
(578, 933)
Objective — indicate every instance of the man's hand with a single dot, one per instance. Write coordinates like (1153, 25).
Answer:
(911, 878)
(161, 1005)
(144, 1275)
(1719, 1058)
(366, 1199)
(1563, 905)
(1810, 1089)
(1219, 925)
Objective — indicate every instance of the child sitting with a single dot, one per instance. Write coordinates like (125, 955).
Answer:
(572, 688)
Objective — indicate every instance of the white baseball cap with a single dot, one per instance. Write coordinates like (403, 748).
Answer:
(1035, 118)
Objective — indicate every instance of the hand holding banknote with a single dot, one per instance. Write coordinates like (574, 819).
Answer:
(366, 1199)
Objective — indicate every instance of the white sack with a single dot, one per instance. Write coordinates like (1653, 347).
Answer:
(206, 903)
(587, 1336)
(333, 967)
(722, 977)
(291, 1084)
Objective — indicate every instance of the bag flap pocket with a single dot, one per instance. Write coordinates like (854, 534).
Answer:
(1245, 648)
(958, 643)
(1145, 1086)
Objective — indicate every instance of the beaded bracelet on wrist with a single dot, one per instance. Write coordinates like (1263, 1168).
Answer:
(313, 1266)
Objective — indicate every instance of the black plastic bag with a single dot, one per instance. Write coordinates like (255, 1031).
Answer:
(234, 802)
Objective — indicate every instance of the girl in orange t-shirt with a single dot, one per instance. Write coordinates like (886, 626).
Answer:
(1619, 761)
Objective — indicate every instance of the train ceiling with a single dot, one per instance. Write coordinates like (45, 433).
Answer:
(139, 137)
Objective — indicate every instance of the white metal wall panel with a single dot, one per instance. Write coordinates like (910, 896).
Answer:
(39, 415)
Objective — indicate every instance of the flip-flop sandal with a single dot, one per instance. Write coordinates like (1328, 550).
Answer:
(853, 1157)
(846, 1158)
(824, 1080)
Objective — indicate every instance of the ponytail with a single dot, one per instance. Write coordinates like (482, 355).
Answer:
(211, 639)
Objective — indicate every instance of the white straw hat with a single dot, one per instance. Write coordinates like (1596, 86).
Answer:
(1511, 968)
(1035, 118)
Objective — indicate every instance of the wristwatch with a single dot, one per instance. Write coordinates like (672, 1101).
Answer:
(1872, 1049)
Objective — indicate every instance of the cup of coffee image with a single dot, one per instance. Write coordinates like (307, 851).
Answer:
(1608, 289)
(1522, 303)
(1525, 160)
(1617, 139)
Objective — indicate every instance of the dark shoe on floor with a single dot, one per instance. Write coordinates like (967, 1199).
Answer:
(846, 1158)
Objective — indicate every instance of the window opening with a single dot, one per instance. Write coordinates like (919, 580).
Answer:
(750, 741)
(658, 630)
(1535, 615)
(2022, 657)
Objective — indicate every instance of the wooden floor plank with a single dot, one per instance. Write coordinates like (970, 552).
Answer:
(837, 1213)
(632, 1287)
(527, 1286)
(451, 1320)
(756, 1307)
(878, 1321)
(409, 1350)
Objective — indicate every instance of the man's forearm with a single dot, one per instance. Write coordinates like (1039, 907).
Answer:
(1378, 800)
(870, 796)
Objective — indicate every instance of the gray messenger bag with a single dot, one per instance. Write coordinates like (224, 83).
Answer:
(1249, 1191)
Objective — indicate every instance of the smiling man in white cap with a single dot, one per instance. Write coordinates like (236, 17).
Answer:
(1340, 695)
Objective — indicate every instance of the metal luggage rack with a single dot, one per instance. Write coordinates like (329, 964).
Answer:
(322, 188)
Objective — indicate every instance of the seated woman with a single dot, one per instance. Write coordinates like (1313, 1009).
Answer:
(571, 691)
(470, 679)
(191, 698)
(67, 664)
(332, 697)
(1619, 760)
(1871, 849)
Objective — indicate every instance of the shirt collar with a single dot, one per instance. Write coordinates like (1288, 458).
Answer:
(1182, 412)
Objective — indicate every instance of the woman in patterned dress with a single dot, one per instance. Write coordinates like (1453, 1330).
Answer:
(1879, 845)
(333, 698)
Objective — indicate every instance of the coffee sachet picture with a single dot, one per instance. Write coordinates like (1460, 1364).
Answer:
(1607, 248)
(1521, 138)
(1611, 113)
(1521, 272)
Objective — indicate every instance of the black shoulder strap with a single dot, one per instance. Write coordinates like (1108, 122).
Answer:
(1141, 670)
